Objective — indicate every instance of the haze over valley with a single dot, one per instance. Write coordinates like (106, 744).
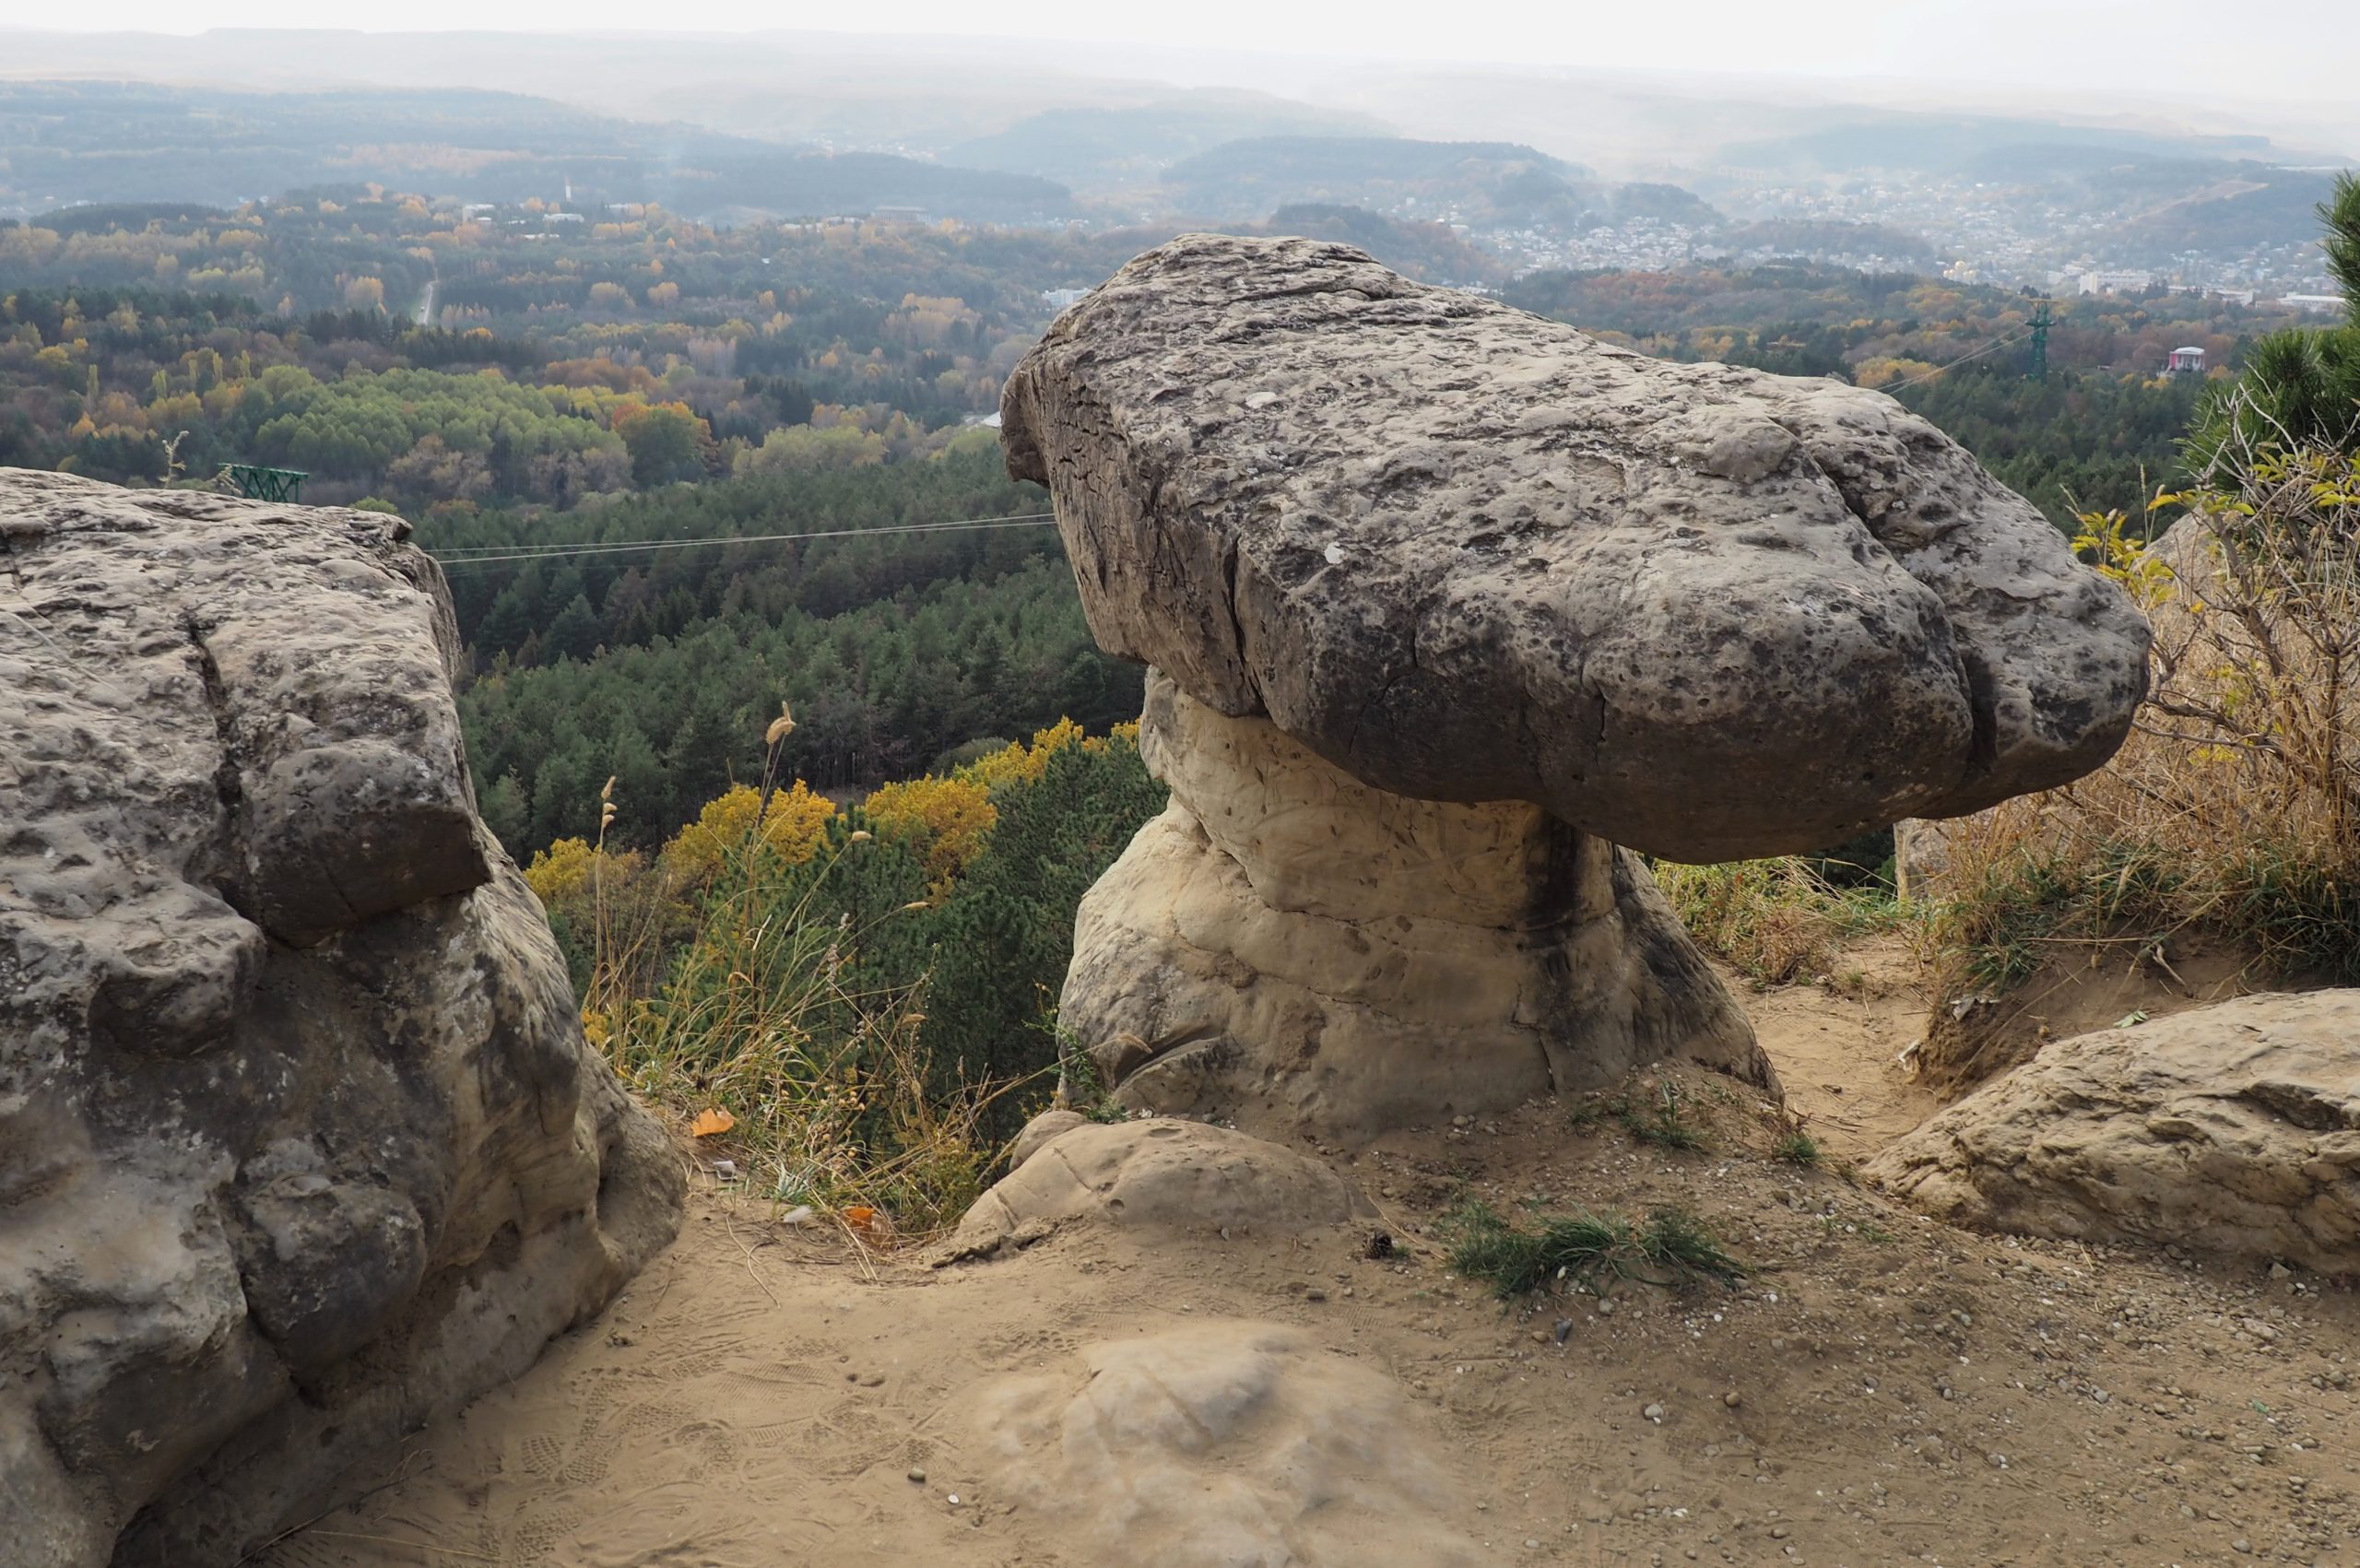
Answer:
(1538, 167)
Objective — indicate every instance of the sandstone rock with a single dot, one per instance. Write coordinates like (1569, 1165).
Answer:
(300, 1141)
(1039, 1131)
(2234, 1128)
(1224, 1445)
(1286, 945)
(1466, 554)
(1164, 1173)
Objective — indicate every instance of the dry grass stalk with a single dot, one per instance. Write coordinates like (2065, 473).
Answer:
(764, 1011)
(1775, 921)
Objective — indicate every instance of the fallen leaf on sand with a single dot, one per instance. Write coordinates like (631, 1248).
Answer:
(874, 1226)
(710, 1122)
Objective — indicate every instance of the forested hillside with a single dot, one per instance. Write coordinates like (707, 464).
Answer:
(661, 663)
(427, 356)
(1484, 184)
(2102, 430)
(1880, 326)
(649, 383)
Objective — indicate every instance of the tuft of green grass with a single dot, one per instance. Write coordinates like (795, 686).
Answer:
(1081, 1086)
(1797, 1147)
(1663, 1122)
(1584, 1251)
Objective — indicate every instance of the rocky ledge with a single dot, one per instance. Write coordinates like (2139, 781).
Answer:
(301, 1144)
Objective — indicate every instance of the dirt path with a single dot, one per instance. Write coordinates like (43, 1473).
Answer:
(1880, 1390)
(1836, 1048)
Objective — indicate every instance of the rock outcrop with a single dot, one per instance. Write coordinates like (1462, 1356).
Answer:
(2233, 1128)
(1468, 554)
(1445, 602)
(300, 1141)
(1161, 1172)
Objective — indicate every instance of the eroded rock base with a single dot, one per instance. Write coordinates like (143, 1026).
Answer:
(1162, 1172)
(1290, 947)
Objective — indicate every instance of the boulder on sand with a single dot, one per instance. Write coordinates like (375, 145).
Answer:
(1223, 1445)
(2233, 1128)
(1162, 1173)
(301, 1144)
(1446, 601)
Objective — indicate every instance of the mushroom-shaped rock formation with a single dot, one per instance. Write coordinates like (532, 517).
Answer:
(301, 1144)
(1448, 600)
(1287, 943)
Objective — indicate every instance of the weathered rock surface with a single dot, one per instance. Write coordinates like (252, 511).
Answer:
(2233, 1128)
(1224, 1445)
(1466, 554)
(1037, 1132)
(300, 1141)
(1160, 1171)
(1287, 946)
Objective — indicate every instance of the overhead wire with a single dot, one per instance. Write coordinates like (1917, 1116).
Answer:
(491, 555)
(1989, 347)
(720, 539)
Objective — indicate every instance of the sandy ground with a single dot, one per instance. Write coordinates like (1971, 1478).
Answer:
(1880, 1390)
(1837, 1047)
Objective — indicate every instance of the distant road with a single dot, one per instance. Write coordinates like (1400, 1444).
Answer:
(426, 304)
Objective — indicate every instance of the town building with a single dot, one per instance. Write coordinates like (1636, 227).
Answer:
(2129, 280)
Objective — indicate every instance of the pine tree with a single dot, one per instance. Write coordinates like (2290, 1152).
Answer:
(573, 634)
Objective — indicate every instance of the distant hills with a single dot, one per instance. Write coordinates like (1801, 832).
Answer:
(2224, 207)
(1483, 184)
(109, 142)
(73, 144)
(1113, 150)
(1427, 251)
(1026, 131)
(1993, 146)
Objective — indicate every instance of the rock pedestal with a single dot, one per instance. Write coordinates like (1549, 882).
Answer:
(301, 1144)
(1286, 944)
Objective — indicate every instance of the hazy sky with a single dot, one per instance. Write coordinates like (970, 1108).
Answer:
(2256, 50)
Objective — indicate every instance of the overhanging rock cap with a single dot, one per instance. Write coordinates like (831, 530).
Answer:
(1467, 553)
